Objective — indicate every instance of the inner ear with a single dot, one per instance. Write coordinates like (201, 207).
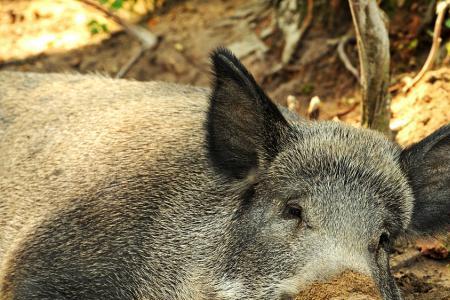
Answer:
(244, 127)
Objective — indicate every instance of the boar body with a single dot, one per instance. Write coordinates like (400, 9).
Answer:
(83, 160)
(114, 189)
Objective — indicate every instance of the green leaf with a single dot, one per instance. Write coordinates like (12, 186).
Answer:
(413, 44)
(447, 23)
(447, 47)
(307, 89)
(117, 4)
(104, 27)
(103, 1)
(92, 23)
(96, 27)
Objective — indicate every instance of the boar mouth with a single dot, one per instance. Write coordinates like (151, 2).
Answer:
(382, 276)
(287, 297)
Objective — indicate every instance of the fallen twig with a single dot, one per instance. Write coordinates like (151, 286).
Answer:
(440, 11)
(147, 39)
(343, 56)
(125, 68)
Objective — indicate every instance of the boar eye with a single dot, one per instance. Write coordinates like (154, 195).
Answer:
(293, 211)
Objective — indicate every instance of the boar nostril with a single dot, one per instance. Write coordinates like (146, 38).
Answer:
(384, 242)
(381, 242)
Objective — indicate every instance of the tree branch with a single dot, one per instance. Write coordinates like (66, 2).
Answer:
(440, 10)
(125, 68)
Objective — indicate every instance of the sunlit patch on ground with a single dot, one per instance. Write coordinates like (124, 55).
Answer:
(29, 28)
(423, 109)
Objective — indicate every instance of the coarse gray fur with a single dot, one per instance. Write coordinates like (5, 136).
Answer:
(114, 189)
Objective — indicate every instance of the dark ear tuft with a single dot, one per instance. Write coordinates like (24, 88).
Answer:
(427, 166)
(244, 127)
(226, 66)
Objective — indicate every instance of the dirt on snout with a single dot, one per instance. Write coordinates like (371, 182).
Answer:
(418, 277)
(352, 286)
(347, 286)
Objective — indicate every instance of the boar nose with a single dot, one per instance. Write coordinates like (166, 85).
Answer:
(380, 241)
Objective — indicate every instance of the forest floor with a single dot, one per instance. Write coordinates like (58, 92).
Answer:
(43, 36)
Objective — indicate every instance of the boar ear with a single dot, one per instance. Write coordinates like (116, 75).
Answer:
(427, 165)
(244, 127)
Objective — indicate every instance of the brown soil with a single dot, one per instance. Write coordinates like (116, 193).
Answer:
(44, 36)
